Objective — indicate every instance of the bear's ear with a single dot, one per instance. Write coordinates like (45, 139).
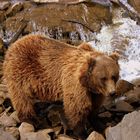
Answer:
(115, 56)
(86, 46)
(86, 72)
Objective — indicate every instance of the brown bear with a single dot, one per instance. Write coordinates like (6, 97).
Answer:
(36, 67)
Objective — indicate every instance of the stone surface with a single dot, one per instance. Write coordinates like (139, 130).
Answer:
(6, 136)
(16, 7)
(127, 129)
(95, 136)
(135, 4)
(64, 137)
(15, 117)
(4, 5)
(123, 86)
(133, 96)
(2, 16)
(13, 131)
(40, 135)
(25, 128)
(7, 121)
(124, 106)
(69, 23)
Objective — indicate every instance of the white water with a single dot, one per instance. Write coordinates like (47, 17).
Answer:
(122, 36)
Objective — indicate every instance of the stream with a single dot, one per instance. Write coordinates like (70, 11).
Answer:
(123, 36)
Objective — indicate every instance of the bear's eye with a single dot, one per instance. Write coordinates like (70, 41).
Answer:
(103, 79)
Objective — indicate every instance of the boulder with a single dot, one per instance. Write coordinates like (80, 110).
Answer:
(2, 16)
(95, 136)
(7, 121)
(69, 23)
(6, 136)
(127, 129)
(13, 131)
(135, 4)
(4, 5)
(13, 9)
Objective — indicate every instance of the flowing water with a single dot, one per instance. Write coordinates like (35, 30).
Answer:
(122, 36)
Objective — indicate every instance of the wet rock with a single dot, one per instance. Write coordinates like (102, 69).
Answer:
(14, 9)
(41, 20)
(95, 136)
(127, 129)
(6, 136)
(64, 137)
(13, 131)
(124, 106)
(4, 5)
(2, 16)
(135, 4)
(7, 121)
(123, 86)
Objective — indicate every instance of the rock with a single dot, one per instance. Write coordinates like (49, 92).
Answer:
(123, 86)
(133, 96)
(1, 100)
(7, 121)
(2, 16)
(60, 1)
(6, 136)
(1, 47)
(124, 106)
(25, 128)
(16, 7)
(57, 130)
(95, 136)
(1, 109)
(66, 26)
(135, 4)
(13, 131)
(15, 117)
(4, 5)
(26, 133)
(106, 114)
(127, 129)
(64, 137)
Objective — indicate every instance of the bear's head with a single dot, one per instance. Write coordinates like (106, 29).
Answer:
(100, 74)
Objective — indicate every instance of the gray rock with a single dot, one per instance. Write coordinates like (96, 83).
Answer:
(127, 129)
(95, 136)
(4, 5)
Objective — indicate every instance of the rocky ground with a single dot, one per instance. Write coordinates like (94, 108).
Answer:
(72, 24)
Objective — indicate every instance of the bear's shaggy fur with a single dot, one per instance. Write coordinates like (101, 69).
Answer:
(36, 67)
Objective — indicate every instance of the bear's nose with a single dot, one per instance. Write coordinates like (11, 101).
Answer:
(112, 94)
